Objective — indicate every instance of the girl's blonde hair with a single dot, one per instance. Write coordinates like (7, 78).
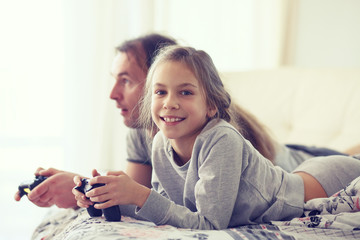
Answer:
(203, 68)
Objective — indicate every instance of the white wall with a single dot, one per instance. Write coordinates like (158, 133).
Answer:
(238, 34)
(326, 33)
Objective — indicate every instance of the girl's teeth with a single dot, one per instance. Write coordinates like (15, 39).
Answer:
(172, 119)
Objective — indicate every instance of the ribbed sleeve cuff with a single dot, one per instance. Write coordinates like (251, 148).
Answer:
(155, 208)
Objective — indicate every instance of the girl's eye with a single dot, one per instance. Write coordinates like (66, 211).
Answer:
(185, 93)
(160, 92)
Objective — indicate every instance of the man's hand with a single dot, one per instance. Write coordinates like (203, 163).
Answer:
(56, 189)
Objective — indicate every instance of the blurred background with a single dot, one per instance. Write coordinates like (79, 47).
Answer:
(55, 58)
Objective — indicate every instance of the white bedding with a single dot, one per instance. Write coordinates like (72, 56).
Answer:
(336, 217)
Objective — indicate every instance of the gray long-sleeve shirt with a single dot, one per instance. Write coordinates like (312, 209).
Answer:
(226, 183)
(139, 151)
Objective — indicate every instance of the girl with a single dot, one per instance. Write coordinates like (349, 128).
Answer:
(206, 175)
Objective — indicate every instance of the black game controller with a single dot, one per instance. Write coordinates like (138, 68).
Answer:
(112, 214)
(27, 186)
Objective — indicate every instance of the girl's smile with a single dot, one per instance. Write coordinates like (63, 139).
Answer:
(171, 119)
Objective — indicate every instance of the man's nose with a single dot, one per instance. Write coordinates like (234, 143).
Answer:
(116, 92)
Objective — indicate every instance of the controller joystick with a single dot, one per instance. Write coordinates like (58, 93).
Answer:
(112, 214)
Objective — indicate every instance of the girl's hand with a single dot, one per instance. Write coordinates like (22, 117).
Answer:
(81, 199)
(119, 189)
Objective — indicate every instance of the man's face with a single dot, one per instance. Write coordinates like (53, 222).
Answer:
(128, 88)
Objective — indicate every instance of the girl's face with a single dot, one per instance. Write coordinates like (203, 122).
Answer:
(178, 105)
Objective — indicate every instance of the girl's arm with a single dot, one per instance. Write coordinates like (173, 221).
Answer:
(215, 190)
(120, 189)
(82, 201)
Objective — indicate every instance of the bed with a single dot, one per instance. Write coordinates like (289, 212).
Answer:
(304, 106)
(337, 217)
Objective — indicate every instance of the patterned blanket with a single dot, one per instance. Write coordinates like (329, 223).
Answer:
(336, 217)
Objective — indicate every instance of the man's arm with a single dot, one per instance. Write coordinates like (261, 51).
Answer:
(139, 172)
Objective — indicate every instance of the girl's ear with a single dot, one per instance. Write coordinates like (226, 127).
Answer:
(211, 112)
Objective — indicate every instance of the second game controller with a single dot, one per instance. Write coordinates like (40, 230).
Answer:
(111, 214)
(27, 186)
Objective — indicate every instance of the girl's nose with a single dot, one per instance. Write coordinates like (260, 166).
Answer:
(171, 102)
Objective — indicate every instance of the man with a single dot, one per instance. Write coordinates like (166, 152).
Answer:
(129, 69)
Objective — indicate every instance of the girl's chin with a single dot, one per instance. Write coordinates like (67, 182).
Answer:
(170, 135)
